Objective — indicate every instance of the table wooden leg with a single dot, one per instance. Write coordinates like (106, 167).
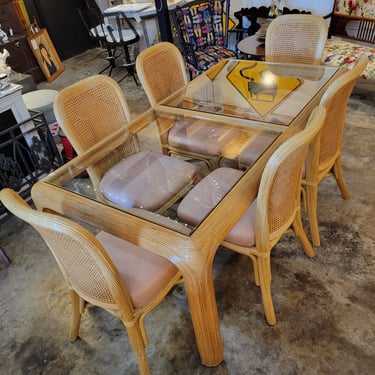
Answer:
(203, 310)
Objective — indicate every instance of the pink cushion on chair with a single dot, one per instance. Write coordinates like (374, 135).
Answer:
(206, 194)
(243, 233)
(146, 180)
(204, 197)
(200, 137)
(143, 272)
(258, 144)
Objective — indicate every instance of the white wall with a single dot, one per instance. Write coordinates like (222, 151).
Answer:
(322, 7)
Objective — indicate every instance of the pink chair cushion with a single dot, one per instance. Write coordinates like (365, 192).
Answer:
(146, 180)
(200, 137)
(243, 233)
(257, 145)
(206, 194)
(143, 272)
(204, 197)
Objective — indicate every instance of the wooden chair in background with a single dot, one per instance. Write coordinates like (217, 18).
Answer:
(325, 158)
(296, 38)
(161, 70)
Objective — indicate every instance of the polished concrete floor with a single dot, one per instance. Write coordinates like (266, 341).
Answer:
(325, 306)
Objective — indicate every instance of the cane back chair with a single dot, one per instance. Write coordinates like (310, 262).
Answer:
(276, 208)
(201, 27)
(296, 38)
(162, 71)
(326, 159)
(94, 108)
(102, 270)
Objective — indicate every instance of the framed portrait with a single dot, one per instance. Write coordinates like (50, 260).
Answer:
(46, 55)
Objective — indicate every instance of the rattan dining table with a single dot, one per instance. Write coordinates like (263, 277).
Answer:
(250, 96)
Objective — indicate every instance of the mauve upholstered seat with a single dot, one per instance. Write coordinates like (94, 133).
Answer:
(146, 180)
(204, 197)
(143, 272)
(201, 137)
(257, 145)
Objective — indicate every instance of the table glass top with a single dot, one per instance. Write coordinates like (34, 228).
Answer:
(255, 90)
(146, 167)
(127, 164)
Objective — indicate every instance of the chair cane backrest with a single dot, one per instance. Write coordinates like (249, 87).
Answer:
(161, 70)
(83, 261)
(280, 186)
(296, 38)
(90, 110)
(335, 100)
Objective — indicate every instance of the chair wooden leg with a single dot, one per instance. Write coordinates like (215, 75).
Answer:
(265, 287)
(77, 310)
(311, 193)
(300, 233)
(138, 345)
(255, 269)
(337, 172)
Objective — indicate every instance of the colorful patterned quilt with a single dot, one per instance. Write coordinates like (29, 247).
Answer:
(341, 53)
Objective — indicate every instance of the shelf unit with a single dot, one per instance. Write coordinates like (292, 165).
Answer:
(364, 25)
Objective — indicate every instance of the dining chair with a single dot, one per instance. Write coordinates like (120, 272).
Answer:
(326, 159)
(115, 32)
(103, 270)
(270, 215)
(201, 27)
(161, 70)
(96, 107)
(296, 38)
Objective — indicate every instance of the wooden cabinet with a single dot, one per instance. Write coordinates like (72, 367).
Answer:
(354, 21)
(8, 18)
(21, 59)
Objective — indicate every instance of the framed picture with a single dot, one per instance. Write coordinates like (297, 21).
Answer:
(46, 55)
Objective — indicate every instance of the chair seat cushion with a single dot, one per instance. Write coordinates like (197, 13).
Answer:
(144, 273)
(124, 35)
(200, 137)
(257, 145)
(204, 196)
(243, 233)
(146, 180)
(114, 36)
(211, 55)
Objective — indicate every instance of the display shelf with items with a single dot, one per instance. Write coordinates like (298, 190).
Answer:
(27, 148)
(354, 19)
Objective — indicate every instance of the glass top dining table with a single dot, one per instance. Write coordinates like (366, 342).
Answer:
(249, 97)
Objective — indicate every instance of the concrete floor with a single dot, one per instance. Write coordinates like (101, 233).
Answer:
(325, 307)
